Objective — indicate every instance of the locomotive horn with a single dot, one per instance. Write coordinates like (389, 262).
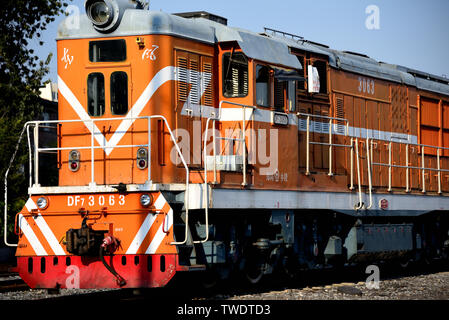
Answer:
(107, 14)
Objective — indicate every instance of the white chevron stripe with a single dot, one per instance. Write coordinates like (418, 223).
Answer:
(160, 202)
(142, 233)
(164, 75)
(31, 236)
(30, 205)
(146, 226)
(49, 235)
(45, 229)
(80, 111)
(227, 114)
(160, 234)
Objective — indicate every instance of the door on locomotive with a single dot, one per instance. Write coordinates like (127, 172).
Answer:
(108, 95)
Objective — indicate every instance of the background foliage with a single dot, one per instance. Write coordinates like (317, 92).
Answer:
(21, 76)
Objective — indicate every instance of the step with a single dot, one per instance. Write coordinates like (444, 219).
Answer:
(195, 267)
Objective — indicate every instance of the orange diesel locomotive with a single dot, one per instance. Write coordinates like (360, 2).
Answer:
(183, 144)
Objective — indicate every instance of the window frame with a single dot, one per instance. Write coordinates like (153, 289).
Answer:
(292, 96)
(322, 63)
(104, 94)
(269, 85)
(302, 59)
(111, 93)
(224, 71)
(286, 86)
(125, 51)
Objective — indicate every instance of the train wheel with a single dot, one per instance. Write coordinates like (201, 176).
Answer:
(209, 279)
(254, 276)
(404, 263)
(253, 272)
(290, 268)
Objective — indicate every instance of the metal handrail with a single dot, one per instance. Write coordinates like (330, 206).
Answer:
(329, 144)
(243, 139)
(408, 167)
(358, 174)
(274, 31)
(353, 146)
(368, 165)
(94, 131)
(5, 213)
(92, 147)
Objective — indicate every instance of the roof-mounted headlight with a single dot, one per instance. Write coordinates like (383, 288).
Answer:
(107, 14)
(99, 12)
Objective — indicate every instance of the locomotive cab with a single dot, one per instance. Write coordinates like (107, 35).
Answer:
(115, 117)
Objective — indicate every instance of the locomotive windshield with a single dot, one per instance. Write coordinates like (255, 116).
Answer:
(107, 51)
(119, 93)
(95, 94)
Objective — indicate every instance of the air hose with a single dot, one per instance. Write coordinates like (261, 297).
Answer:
(120, 280)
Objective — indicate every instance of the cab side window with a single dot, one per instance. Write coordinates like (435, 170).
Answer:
(321, 67)
(301, 84)
(235, 75)
(262, 86)
(276, 88)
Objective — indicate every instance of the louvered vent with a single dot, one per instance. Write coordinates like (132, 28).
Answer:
(325, 124)
(317, 125)
(340, 113)
(245, 82)
(182, 83)
(194, 81)
(303, 120)
(235, 82)
(279, 95)
(208, 97)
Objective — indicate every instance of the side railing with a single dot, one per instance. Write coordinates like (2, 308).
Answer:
(242, 141)
(421, 167)
(95, 135)
(367, 166)
(334, 126)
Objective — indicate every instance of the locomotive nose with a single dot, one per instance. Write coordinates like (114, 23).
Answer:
(107, 14)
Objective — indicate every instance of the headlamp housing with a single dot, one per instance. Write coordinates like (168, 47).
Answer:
(146, 200)
(42, 203)
(107, 14)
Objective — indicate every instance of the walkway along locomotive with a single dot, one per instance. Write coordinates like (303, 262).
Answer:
(186, 145)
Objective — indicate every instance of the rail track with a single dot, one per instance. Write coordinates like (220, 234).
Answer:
(11, 282)
(413, 283)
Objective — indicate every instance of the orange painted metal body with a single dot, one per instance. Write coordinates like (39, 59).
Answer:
(368, 104)
(117, 214)
(390, 108)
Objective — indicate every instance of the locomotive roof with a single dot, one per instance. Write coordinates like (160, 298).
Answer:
(271, 48)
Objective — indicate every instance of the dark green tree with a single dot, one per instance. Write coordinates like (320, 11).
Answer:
(21, 76)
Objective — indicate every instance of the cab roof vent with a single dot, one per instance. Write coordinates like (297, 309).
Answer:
(203, 14)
